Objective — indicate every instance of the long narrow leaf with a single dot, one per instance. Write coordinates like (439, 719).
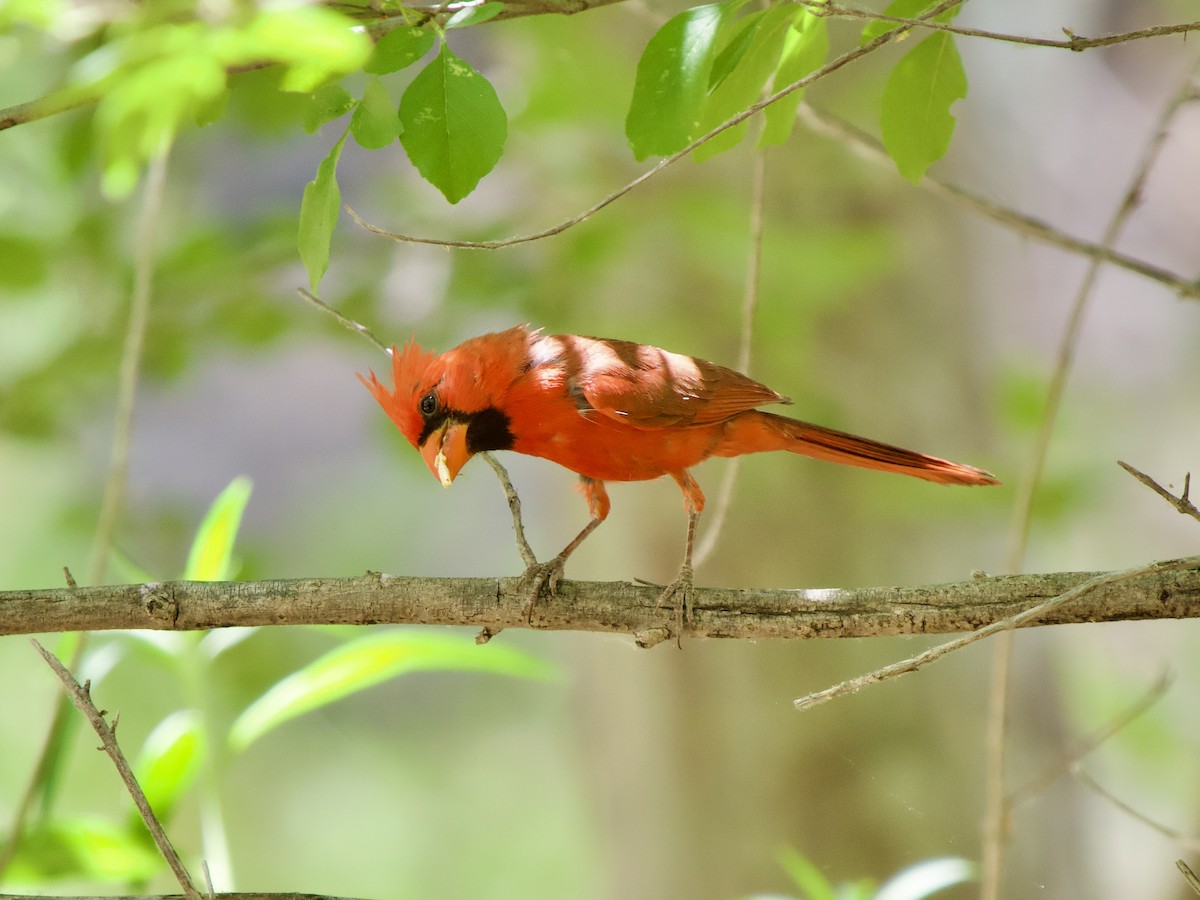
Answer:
(365, 662)
(211, 556)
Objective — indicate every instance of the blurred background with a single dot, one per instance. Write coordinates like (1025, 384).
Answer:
(884, 311)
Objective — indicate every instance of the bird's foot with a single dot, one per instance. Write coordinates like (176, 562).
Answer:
(679, 590)
(539, 578)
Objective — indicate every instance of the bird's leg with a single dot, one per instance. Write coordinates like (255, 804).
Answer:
(693, 502)
(545, 576)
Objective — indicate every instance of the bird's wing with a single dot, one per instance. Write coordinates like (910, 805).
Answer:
(652, 388)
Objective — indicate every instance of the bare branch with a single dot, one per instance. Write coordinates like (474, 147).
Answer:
(1172, 590)
(83, 702)
(1073, 41)
(1184, 840)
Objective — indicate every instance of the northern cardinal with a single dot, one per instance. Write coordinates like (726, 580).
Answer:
(609, 410)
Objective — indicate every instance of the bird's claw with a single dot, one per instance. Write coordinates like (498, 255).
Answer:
(680, 588)
(541, 577)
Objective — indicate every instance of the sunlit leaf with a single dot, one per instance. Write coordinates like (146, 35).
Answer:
(375, 122)
(211, 556)
(916, 124)
(83, 848)
(367, 661)
(807, 877)
(326, 103)
(805, 49)
(760, 41)
(399, 48)
(474, 15)
(318, 215)
(170, 760)
(672, 81)
(313, 44)
(926, 878)
(453, 126)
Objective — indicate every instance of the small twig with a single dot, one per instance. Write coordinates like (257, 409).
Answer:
(1074, 42)
(514, 506)
(933, 654)
(349, 323)
(830, 67)
(1188, 875)
(1181, 503)
(83, 702)
(1092, 742)
(1184, 840)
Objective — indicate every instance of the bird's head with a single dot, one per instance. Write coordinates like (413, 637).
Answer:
(450, 406)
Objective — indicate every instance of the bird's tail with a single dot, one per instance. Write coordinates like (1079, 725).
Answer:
(756, 431)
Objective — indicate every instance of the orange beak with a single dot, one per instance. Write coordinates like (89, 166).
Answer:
(445, 451)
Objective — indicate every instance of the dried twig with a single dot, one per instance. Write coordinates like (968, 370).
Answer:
(1092, 742)
(1181, 503)
(80, 696)
(1188, 875)
(1073, 41)
(1186, 841)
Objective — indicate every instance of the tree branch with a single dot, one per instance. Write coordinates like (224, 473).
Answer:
(621, 607)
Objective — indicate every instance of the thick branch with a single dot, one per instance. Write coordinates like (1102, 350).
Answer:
(594, 606)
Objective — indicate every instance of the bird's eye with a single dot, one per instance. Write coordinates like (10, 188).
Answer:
(429, 404)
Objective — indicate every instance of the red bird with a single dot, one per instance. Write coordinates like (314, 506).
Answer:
(610, 411)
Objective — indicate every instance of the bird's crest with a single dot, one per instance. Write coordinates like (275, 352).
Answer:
(410, 372)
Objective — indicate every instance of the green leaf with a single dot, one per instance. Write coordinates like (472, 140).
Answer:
(904, 9)
(313, 43)
(210, 558)
(474, 15)
(375, 122)
(916, 122)
(325, 104)
(672, 81)
(756, 51)
(807, 877)
(926, 878)
(170, 760)
(400, 48)
(89, 848)
(318, 215)
(452, 125)
(368, 661)
(805, 49)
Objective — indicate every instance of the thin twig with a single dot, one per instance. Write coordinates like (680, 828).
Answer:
(1027, 226)
(348, 323)
(1181, 503)
(83, 702)
(933, 654)
(1091, 743)
(1188, 875)
(1073, 42)
(830, 67)
(514, 506)
(750, 293)
(1186, 841)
